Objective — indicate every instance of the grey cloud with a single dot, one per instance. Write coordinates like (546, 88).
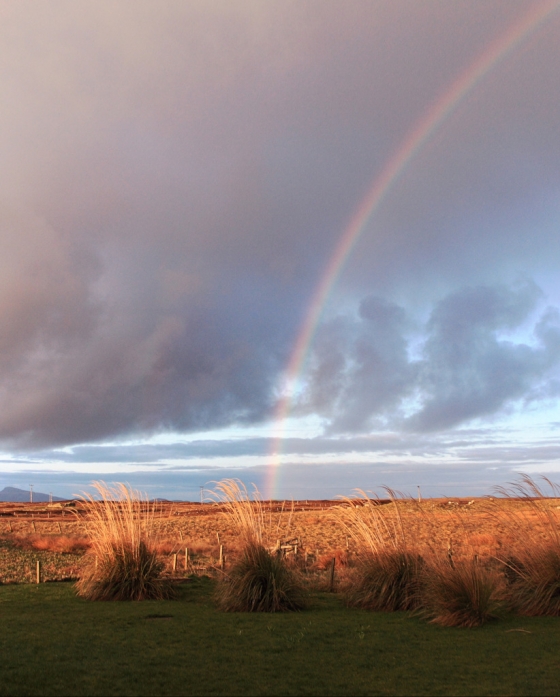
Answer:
(477, 204)
(230, 448)
(296, 481)
(175, 178)
(360, 366)
(535, 453)
(361, 373)
(468, 370)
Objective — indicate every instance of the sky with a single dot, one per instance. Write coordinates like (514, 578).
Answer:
(311, 244)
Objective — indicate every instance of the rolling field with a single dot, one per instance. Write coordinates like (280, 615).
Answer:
(55, 534)
(56, 643)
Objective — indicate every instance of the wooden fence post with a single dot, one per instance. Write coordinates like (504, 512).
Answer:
(222, 557)
(174, 563)
(331, 582)
(38, 571)
(186, 558)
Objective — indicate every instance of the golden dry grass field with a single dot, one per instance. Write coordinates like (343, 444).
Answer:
(56, 534)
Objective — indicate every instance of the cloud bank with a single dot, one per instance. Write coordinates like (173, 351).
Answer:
(363, 377)
(175, 178)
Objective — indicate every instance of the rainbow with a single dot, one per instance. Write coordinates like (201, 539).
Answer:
(422, 131)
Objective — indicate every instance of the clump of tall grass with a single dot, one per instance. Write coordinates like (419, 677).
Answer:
(388, 581)
(259, 580)
(462, 593)
(388, 570)
(123, 559)
(533, 560)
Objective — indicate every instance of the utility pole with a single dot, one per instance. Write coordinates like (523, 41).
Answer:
(31, 493)
(50, 496)
(201, 494)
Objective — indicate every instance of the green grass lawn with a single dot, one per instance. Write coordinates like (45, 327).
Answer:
(53, 643)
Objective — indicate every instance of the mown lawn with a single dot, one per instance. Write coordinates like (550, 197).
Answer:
(52, 643)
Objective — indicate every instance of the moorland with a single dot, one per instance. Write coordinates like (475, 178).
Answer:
(470, 554)
(56, 534)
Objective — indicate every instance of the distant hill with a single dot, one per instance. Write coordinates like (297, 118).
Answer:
(13, 495)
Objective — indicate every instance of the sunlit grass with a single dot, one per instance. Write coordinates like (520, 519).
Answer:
(259, 580)
(533, 555)
(387, 572)
(124, 564)
(462, 593)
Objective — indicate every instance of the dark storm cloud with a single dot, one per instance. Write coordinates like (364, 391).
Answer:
(469, 367)
(175, 176)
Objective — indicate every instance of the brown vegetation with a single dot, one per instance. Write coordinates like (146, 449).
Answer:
(124, 563)
(532, 555)
(260, 579)
(459, 559)
(463, 593)
(386, 575)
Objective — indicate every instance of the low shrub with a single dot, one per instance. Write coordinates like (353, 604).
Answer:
(62, 544)
(341, 557)
(463, 593)
(66, 544)
(260, 581)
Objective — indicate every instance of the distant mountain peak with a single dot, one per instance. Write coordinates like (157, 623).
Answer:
(11, 494)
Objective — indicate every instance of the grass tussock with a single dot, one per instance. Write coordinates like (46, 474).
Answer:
(388, 569)
(123, 559)
(260, 579)
(386, 581)
(533, 560)
(463, 593)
